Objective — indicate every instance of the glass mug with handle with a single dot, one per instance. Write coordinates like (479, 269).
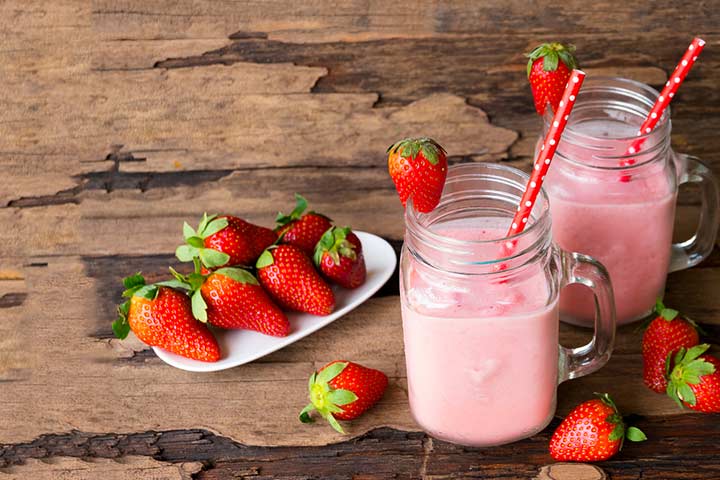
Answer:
(619, 206)
(481, 326)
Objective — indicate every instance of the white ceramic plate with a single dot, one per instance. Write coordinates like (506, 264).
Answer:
(242, 346)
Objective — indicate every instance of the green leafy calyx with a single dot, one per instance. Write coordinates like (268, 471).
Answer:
(668, 314)
(265, 259)
(620, 431)
(410, 147)
(194, 247)
(325, 399)
(334, 242)
(135, 286)
(689, 370)
(300, 206)
(552, 54)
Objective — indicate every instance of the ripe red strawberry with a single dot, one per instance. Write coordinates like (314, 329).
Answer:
(343, 390)
(339, 257)
(224, 240)
(162, 317)
(303, 231)
(695, 380)
(548, 70)
(664, 336)
(593, 431)
(418, 167)
(288, 275)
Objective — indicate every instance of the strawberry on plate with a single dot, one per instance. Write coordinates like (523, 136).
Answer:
(161, 316)
(695, 379)
(664, 336)
(343, 390)
(418, 168)
(301, 229)
(224, 241)
(593, 431)
(339, 257)
(290, 278)
(548, 71)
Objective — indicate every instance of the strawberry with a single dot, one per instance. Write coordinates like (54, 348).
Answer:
(339, 257)
(548, 70)
(593, 431)
(162, 317)
(303, 231)
(288, 275)
(418, 168)
(224, 240)
(695, 379)
(343, 390)
(235, 299)
(664, 336)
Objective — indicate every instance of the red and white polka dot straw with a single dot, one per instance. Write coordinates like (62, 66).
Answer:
(666, 96)
(547, 150)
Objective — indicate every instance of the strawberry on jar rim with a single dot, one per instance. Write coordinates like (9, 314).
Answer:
(301, 229)
(664, 336)
(290, 278)
(548, 70)
(593, 431)
(161, 316)
(694, 381)
(343, 390)
(339, 257)
(418, 168)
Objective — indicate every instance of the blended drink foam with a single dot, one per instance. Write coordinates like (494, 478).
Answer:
(482, 355)
(625, 225)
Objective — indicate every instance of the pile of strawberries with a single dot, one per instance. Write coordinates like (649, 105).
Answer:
(245, 277)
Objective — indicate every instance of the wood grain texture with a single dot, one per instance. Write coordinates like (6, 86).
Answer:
(120, 119)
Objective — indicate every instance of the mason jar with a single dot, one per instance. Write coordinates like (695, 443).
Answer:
(613, 194)
(480, 311)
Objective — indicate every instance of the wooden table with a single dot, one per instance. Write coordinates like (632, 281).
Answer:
(121, 119)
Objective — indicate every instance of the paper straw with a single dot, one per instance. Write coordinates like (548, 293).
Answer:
(662, 102)
(547, 150)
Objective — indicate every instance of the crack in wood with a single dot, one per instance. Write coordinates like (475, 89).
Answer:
(12, 299)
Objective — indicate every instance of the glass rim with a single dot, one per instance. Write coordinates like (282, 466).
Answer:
(638, 91)
(493, 171)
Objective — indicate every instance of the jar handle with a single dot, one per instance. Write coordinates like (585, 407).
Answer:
(581, 361)
(694, 250)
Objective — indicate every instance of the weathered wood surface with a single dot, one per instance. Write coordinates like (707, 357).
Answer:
(120, 119)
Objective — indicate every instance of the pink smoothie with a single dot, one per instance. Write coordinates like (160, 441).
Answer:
(482, 356)
(627, 226)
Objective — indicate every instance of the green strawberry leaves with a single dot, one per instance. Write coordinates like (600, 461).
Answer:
(334, 242)
(301, 205)
(668, 314)
(265, 260)
(134, 287)
(689, 370)
(194, 246)
(324, 398)
(410, 147)
(620, 431)
(552, 54)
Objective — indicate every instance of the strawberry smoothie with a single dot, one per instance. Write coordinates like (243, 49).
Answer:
(482, 355)
(627, 226)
